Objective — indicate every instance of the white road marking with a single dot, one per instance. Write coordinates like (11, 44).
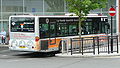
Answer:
(20, 60)
(13, 60)
(4, 55)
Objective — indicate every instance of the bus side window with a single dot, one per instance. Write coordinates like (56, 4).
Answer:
(44, 31)
(52, 30)
(73, 30)
(107, 25)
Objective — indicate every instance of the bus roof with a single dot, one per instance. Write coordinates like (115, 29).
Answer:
(55, 16)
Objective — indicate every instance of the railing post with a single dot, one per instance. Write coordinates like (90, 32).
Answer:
(71, 45)
(62, 45)
(108, 45)
(94, 45)
(117, 43)
(68, 46)
(82, 45)
(98, 45)
(111, 44)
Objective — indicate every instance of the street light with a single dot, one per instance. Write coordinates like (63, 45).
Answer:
(1, 16)
(23, 6)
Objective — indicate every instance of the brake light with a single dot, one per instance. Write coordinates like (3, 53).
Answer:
(37, 38)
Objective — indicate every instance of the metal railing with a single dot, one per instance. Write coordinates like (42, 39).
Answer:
(95, 45)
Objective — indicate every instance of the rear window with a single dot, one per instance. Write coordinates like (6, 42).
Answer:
(22, 24)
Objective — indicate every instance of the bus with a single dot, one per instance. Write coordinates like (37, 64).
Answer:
(45, 33)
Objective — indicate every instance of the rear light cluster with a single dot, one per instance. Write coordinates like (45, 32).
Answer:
(37, 38)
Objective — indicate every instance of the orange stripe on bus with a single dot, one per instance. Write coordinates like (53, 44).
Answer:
(52, 46)
(21, 24)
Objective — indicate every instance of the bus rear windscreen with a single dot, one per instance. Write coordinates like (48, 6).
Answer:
(22, 24)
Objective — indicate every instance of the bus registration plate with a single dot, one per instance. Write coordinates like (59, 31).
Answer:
(22, 47)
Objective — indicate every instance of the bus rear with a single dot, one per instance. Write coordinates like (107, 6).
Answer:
(22, 33)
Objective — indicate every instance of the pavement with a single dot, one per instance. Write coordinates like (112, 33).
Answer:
(4, 46)
(87, 55)
(68, 54)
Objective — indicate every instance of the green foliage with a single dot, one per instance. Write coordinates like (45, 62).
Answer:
(82, 7)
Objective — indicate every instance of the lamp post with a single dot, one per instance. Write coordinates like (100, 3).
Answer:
(23, 6)
(1, 16)
(43, 7)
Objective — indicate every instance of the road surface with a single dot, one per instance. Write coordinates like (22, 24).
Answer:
(11, 59)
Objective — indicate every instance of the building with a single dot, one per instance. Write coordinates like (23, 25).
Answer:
(118, 18)
(47, 7)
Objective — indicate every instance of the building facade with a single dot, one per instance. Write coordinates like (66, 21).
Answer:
(118, 18)
(47, 7)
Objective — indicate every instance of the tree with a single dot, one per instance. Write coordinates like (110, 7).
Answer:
(82, 7)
